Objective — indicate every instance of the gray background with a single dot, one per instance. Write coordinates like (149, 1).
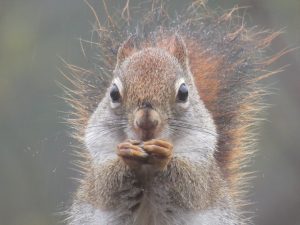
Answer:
(35, 160)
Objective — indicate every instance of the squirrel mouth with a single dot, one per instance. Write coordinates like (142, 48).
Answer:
(147, 135)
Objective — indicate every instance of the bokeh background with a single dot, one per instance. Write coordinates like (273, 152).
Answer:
(35, 159)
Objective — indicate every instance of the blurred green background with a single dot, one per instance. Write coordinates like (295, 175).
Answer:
(35, 160)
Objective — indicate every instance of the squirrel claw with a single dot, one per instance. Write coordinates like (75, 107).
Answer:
(134, 142)
(154, 152)
(127, 149)
(132, 154)
(160, 152)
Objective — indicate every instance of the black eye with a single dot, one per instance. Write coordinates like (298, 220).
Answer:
(183, 93)
(115, 93)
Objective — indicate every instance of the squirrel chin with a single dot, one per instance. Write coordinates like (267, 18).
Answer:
(144, 135)
(147, 135)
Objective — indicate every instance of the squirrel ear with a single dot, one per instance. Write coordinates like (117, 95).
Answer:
(126, 49)
(177, 48)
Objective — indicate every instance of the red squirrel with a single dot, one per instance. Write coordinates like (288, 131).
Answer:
(165, 128)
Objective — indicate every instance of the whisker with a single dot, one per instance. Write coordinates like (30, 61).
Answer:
(203, 142)
(189, 126)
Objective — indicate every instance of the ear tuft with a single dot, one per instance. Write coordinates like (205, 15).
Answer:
(126, 49)
(177, 48)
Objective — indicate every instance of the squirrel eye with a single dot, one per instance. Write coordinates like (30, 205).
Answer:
(115, 93)
(183, 93)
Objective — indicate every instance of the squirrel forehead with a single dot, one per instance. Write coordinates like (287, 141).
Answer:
(150, 64)
(150, 75)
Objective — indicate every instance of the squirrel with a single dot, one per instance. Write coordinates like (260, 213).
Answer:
(166, 129)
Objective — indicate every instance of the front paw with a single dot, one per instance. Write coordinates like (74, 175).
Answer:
(160, 152)
(132, 153)
(155, 152)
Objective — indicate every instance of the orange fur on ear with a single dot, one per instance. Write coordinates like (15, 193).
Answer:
(126, 49)
(177, 48)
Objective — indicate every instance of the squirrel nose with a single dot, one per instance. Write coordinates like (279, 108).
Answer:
(146, 105)
(146, 119)
(145, 124)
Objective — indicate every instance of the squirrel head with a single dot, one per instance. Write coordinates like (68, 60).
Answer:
(151, 96)
(148, 84)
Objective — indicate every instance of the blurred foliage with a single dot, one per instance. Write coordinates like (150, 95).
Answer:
(35, 159)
